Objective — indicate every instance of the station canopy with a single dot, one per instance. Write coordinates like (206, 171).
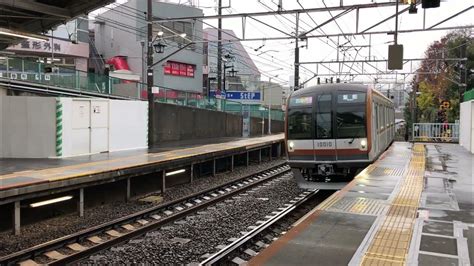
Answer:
(33, 17)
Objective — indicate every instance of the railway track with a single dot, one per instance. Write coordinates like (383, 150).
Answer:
(78, 246)
(248, 245)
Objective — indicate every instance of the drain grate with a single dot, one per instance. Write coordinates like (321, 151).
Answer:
(385, 171)
(359, 205)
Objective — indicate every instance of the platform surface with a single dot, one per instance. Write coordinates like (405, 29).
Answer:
(20, 173)
(414, 206)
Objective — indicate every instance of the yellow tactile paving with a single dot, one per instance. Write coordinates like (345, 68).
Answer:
(392, 238)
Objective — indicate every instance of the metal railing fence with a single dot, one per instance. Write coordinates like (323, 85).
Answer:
(21, 69)
(436, 132)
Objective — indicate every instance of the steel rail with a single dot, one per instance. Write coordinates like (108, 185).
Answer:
(223, 253)
(35, 251)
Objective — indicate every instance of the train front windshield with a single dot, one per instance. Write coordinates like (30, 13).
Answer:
(351, 115)
(338, 115)
(300, 115)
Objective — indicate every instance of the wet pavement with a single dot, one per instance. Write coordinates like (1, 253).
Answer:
(414, 206)
(8, 166)
(25, 174)
(446, 222)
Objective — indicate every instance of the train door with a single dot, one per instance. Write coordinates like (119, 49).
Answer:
(375, 134)
(324, 141)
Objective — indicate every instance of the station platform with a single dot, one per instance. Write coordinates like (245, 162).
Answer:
(20, 177)
(414, 206)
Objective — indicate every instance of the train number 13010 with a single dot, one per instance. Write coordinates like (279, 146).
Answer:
(324, 144)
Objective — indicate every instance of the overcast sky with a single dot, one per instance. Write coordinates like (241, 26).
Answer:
(280, 54)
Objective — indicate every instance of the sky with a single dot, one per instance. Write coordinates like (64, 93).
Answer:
(275, 58)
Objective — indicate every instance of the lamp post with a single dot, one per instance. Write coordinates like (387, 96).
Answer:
(158, 48)
(270, 105)
(149, 73)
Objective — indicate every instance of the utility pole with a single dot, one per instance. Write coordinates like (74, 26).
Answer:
(219, 48)
(297, 55)
(269, 106)
(149, 73)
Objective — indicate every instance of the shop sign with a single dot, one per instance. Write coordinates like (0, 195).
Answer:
(57, 46)
(179, 69)
(41, 46)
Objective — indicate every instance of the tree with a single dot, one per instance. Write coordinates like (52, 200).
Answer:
(439, 80)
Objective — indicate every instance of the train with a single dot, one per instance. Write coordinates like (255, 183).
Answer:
(336, 130)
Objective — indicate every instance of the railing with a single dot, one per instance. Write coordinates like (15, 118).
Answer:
(436, 132)
(20, 69)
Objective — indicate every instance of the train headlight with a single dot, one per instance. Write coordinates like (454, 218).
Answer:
(363, 144)
(291, 145)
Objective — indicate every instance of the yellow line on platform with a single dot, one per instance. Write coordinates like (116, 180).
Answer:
(90, 168)
(392, 238)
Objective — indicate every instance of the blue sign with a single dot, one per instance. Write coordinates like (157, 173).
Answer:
(240, 95)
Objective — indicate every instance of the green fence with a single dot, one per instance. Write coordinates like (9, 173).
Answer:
(21, 69)
(469, 95)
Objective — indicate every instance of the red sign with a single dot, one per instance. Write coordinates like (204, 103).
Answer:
(179, 69)
(167, 69)
(190, 71)
(182, 69)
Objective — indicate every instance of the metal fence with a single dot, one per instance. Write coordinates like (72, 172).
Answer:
(21, 69)
(436, 132)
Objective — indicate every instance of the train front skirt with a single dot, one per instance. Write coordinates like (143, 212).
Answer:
(322, 185)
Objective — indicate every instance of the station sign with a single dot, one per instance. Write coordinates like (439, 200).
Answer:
(240, 95)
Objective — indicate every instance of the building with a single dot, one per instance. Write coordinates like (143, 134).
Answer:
(120, 40)
(272, 94)
(241, 73)
(66, 51)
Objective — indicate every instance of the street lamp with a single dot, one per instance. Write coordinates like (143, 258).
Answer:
(269, 105)
(159, 47)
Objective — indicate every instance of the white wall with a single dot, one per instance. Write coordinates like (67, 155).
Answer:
(128, 125)
(29, 127)
(466, 138)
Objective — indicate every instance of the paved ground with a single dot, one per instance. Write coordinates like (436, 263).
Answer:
(445, 227)
(24, 172)
(8, 166)
(413, 206)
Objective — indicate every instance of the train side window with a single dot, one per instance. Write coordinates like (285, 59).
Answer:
(323, 116)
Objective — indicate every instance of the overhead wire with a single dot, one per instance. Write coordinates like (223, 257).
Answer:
(130, 29)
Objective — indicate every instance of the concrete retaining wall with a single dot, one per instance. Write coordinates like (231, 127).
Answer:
(256, 126)
(175, 122)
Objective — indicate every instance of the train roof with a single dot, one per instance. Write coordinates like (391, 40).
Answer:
(331, 87)
(336, 87)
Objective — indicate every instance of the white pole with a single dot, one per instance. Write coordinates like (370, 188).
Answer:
(269, 106)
